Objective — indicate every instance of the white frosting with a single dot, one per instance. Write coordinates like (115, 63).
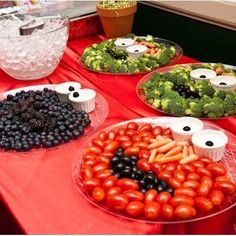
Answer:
(136, 51)
(123, 43)
(63, 88)
(84, 95)
(218, 138)
(196, 74)
(178, 124)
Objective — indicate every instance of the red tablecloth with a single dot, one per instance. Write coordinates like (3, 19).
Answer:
(37, 187)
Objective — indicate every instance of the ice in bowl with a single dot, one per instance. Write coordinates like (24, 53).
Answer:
(35, 52)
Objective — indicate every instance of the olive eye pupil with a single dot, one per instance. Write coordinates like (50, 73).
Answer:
(136, 50)
(71, 88)
(186, 128)
(222, 83)
(202, 76)
(75, 94)
(209, 143)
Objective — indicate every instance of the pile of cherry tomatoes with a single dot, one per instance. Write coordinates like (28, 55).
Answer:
(200, 187)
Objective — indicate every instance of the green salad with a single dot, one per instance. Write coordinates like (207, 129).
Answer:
(104, 57)
(176, 93)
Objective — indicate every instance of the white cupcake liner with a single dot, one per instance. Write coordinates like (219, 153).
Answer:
(227, 89)
(63, 97)
(181, 137)
(87, 106)
(216, 154)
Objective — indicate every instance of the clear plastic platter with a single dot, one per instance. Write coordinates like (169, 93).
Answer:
(228, 161)
(141, 94)
(174, 60)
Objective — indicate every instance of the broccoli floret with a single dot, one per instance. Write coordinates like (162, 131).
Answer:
(221, 94)
(156, 103)
(195, 109)
(230, 104)
(204, 88)
(172, 107)
(132, 68)
(215, 108)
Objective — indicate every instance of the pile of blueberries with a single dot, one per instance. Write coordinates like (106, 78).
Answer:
(36, 119)
(126, 167)
(185, 91)
(118, 55)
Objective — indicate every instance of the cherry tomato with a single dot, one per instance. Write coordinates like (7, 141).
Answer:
(157, 130)
(206, 160)
(217, 197)
(226, 187)
(90, 184)
(156, 168)
(91, 162)
(216, 169)
(134, 195)
(100, 166)
(86, 172)
(111, 147)
(141, 145)
(107, 154)
(117, 201)
(126, 144)
(191, 184)
(146, 139)
(135, 208)
(110, 182)
(103, 174)
(174, 183)
(187, 168)
(193, 176)
(197, 164)
(143, 165)
(97, 142)
(207, 180)
(89, 156)
(146, 134)
(104, 159)
(168, 211)
(203, 190)
(185, 212)
(132, 151)
(223, 178)
(164, 197)
(108, 141)
(166, 131)
(98, 194)
(93, 149)
(130, 132)
(186, 191)
(102, 135)
(152, 210)
(132, 125)
(112, 134)
(181, 199)
(202, 171)
(145, 127)
(121, 131)
(144, 154)
(113, 190)
(165, 175)
(127, 184)
(136, 138)
(122, 138)
(179, 175)
(203, 204)
(150, 196)
(170, 167)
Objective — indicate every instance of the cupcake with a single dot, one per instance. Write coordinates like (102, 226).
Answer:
(224, 82)
(202, 74)
(210, 143)
(83, 100)
(183, 128)
(64, 89)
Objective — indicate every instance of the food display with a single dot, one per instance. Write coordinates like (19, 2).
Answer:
(137, 170)
(112, 56)
(173, 90)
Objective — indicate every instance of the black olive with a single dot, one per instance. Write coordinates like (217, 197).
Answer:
(202, 76)
(115, 160)
(186, 128)
(170, 190)
(71, 88)
(137, 175)
(164, 184)
(209, 143)
(75, 94)
(150, 186)
(149, 179)
(126, 173)
(120, 166)
(126, 160)
(160, 188)
(222, 83)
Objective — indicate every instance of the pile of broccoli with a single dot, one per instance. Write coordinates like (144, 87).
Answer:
(212, 103)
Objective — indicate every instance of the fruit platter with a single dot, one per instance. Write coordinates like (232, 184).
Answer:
(48, 115)
(130, 55)
(201, 90)
(158, 170)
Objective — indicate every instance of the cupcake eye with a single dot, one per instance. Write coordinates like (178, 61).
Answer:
(202, 76)
(136, 50)
(186, 128)
(123, 43)
(75, 94)
(222, 83)
(209, 143)
(71, 88)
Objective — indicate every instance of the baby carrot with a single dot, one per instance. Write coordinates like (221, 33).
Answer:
(185, 151)
(170, 159)
(158, 143)
(188, 159)
(183, 143)
(152, 155)
(167, 147)
(174, 151)
(190, 150)
(158, 157)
